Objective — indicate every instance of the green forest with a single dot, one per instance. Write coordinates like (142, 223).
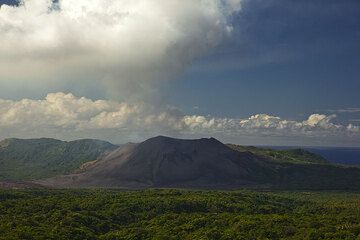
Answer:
(178, 214)
(26, 159)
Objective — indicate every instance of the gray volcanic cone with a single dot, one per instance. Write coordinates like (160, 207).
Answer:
(168, 162)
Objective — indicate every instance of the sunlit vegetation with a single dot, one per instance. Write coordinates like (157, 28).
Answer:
(40, 158)
(289, 156)
(178, 214)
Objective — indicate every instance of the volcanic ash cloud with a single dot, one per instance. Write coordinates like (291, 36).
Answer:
(127, 45)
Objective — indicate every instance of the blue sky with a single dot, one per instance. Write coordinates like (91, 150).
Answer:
(286, 59)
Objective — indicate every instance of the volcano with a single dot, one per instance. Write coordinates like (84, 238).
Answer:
(201, 163)
(168, 162)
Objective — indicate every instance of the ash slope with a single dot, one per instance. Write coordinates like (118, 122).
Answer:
(169, 162)
(202, 163)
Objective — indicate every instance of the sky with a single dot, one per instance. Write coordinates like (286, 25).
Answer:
(253, 72)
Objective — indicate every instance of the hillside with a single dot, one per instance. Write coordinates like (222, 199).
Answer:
(283, 156)
(25, 159)
(301, 169)
(203, 163)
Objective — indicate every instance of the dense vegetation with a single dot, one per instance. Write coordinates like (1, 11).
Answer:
(284, 156)
(178, 214)
(40, 158)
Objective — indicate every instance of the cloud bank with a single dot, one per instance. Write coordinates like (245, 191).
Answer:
(67, 116)
(125, 45)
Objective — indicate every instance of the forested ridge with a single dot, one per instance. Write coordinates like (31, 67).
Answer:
(178, 214)
(28, 159)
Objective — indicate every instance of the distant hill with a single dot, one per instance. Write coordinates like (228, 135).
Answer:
(283, 156)
(206, 163)
(301, 169)
(26, 159)
(336, 155)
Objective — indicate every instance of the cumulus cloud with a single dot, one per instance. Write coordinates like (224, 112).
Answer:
(316, 125)
(127, 45)
(66, 112)
(67, 116)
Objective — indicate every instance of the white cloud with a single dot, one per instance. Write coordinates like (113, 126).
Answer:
(65, 111)
(353, 128)
(315, 125)
(124, 44)
(346, 110)
(67, 116)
